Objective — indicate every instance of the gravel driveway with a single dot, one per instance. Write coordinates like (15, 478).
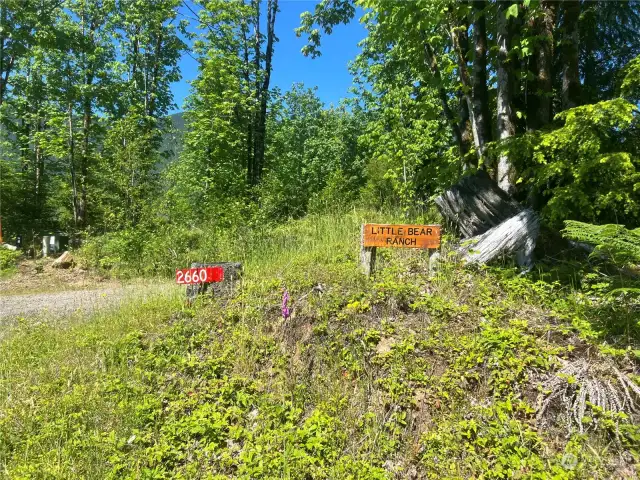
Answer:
(58, 303)
(67, 302)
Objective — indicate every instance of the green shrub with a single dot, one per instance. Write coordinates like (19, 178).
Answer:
(143, 252)
(337, 194)
(588, 169)
(8, 258)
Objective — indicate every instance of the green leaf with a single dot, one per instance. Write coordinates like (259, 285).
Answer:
(512, 11)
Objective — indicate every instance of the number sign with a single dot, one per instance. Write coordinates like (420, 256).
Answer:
(191, 276)
(401, 236)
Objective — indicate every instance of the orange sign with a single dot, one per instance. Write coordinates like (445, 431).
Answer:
(401, 236)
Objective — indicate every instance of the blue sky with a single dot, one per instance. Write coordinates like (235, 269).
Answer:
(328, 72)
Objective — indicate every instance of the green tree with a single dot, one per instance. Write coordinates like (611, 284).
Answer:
(127, 173)
(310, 148)
(149, 42)
(456, 48)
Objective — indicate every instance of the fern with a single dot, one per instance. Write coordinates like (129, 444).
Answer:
(612, 240)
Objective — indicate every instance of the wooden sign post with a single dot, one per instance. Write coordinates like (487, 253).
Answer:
(374, 235)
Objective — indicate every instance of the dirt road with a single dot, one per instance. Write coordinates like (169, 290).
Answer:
(47, 293)
(71, 305)
(60, 303)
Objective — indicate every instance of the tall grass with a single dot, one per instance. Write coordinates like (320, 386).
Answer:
(257, 246)
(54, 414)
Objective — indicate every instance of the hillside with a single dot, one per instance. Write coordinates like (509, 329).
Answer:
(466, 373)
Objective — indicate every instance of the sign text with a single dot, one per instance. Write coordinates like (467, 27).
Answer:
(401, 236)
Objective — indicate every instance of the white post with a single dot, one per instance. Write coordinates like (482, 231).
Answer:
(45, 246)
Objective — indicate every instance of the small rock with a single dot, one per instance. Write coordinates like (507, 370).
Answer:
(434, 261)
(389, 466)
(64, 261)
(420, 396)
(253, 414)
(384, 346)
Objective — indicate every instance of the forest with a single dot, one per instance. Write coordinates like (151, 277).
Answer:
(542, 95)
(428, 367)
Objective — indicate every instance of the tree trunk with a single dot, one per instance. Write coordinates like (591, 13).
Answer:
(136, 51)
(480, 93)
(464, 124)
(505, 174)
(460, 41)
(5, 67)
(254, 120)
(39, 160)
(260, 132)
(540, 90)
(77, 214)
(87, 118)
(570, 51)
(518, 79)
(155, 77)
(465, 115)
(3, 21)
(545, 62)
(432, 62)
(249, 120)
(531, 92)
(84, 157)
(516, 235)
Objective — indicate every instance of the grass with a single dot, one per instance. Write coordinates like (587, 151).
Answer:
(402, 375)
(7, 273)
(52, 390)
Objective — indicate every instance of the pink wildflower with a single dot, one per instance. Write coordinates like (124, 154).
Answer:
(285, 304)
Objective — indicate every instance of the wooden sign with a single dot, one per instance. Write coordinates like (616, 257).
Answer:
(374, 235)
(401, 236)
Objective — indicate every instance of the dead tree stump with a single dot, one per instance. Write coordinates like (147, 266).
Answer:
(491, 223)
(517, 235)
(476, 204)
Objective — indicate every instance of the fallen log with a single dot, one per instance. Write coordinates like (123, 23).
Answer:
(476, 204)
(517, 235)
